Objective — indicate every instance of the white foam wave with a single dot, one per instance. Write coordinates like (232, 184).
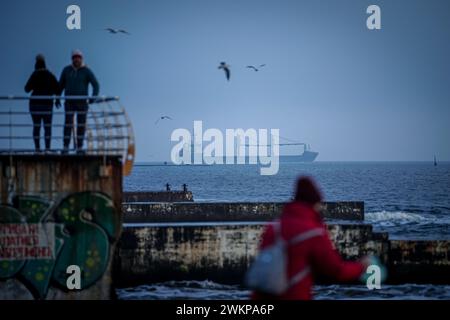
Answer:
(396, 217)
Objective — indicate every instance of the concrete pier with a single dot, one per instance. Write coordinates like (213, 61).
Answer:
(216, 251)
(229, 211)
(218, 241)
(158, 196)
(420, 261)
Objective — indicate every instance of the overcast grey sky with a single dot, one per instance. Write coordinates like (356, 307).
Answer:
(352, 93)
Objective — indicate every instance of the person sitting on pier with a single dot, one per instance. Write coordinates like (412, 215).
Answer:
(310, 251)
(41, 83)
(75, 80)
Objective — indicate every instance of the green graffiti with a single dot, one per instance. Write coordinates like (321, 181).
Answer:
(37, 274)
(81, 227)
(85, 216)
(34, 209)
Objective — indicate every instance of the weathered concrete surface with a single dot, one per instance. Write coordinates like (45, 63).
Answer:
(158, 196)
(223, 251)
(229, 211)
(420, 261)
(55, 178)
(54, 175)
(218, 252)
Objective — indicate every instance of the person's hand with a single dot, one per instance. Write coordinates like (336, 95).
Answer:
(373, 261)
(366, 261)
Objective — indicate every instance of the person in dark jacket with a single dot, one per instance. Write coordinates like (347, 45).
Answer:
(316, 255)
(41, 83)
(74, 81)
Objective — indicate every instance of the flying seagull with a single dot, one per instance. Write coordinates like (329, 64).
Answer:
(256, 69)
(225, 68)
(163, 118)
(114, 31)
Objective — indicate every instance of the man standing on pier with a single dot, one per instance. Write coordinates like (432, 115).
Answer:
(75, 80)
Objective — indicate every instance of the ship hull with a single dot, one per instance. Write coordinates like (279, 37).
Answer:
(307, 156)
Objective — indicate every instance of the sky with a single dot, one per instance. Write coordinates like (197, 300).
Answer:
(353, 94)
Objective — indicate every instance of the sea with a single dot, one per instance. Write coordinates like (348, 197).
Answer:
(409, 200)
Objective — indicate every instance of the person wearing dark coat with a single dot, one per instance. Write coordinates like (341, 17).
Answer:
(41, 83)
(74, 81)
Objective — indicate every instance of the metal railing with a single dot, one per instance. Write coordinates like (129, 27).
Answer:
(107, 130)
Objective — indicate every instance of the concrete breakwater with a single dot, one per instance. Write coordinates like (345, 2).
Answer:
(228, 211)
(218, 241)
(158, 196)
(220, 252)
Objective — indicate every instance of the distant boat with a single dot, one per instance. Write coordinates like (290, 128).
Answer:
(435, 162)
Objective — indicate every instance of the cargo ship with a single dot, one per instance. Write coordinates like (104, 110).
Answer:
(300, 152)
(306, 156)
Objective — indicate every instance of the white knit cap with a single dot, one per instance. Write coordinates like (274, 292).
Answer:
(77, 53)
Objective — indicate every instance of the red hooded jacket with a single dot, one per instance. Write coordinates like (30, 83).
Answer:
(317, 253)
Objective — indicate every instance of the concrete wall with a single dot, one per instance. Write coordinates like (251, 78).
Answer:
(229, 211)
(223, 251)
(216, 251)
(54, 175)
(158, 196)
(217, 241)
(421, 261)
(74, 201)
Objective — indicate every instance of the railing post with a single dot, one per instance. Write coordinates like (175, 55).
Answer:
(10, 130)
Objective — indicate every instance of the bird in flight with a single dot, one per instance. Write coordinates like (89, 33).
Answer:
(225, 68)
(256, 69)
(163, 118)
(115, 31)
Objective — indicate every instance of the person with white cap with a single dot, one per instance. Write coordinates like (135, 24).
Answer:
(74, 81)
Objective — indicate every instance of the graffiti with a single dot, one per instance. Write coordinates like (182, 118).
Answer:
(40, 239)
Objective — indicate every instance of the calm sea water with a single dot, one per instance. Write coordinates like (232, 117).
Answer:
(407, 199)
(410, 200)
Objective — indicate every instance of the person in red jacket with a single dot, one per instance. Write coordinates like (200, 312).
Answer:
(315, 255)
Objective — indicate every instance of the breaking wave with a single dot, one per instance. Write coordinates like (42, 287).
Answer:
(408, 225)
(397, 217)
